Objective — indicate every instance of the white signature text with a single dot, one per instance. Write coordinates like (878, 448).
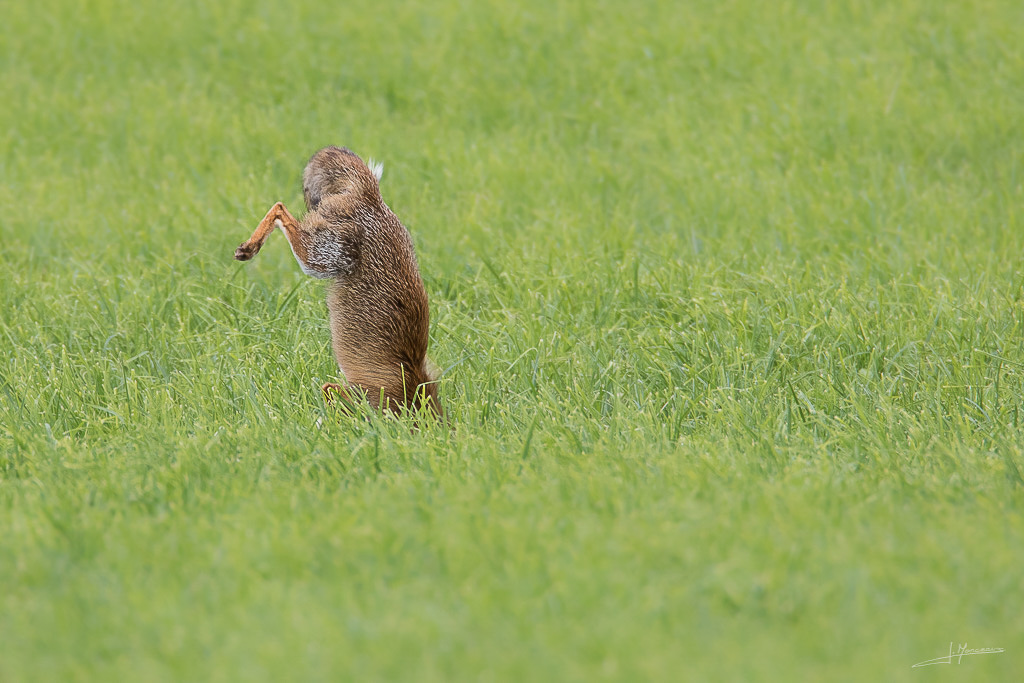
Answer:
(961, 651)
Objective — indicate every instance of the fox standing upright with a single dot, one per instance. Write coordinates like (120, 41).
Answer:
(376, 301)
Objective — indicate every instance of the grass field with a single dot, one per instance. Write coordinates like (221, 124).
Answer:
(729, 295)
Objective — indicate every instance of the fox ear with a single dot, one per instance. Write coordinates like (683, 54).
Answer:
(376, 168)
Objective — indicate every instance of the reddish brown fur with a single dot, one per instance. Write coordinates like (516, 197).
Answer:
(376, 301)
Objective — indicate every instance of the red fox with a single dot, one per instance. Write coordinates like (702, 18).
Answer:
(376, 301)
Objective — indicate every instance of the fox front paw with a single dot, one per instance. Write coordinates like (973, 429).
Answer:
(245, 252)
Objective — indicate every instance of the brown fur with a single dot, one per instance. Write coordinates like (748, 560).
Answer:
(376, 301)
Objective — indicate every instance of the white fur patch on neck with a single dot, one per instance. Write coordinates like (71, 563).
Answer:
(376, 168)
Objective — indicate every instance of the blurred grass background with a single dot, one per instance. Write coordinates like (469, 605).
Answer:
(729, 298)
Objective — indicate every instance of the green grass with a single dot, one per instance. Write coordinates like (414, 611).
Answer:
(730, 298)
